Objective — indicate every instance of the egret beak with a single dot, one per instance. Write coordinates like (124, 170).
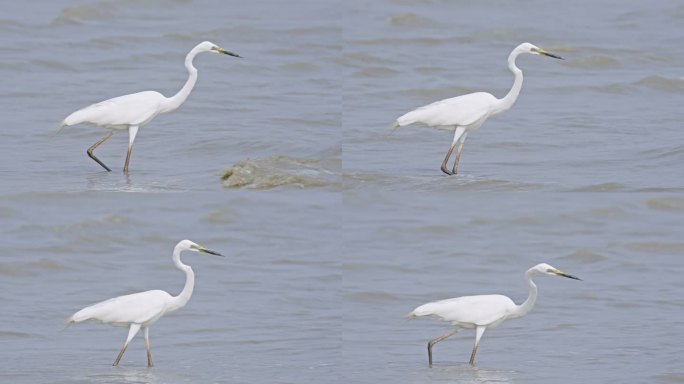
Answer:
(559, 273)
(221, 50)
(543, 52)
(209, 251)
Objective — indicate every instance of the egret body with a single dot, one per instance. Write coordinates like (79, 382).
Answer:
(130, 112)
(140, 310)
(466, 113)
(482, 311)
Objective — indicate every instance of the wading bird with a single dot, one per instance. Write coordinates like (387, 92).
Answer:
(130, 112)
(140, 310)
(482, 311)
(467, 113)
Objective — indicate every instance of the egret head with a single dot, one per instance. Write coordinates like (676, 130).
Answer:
(208, 46)
(187, 245)
(549, 270)
(533, 49)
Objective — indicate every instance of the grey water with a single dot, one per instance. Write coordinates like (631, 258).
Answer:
(333, 227)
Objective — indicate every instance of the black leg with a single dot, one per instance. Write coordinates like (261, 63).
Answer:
(92, 148)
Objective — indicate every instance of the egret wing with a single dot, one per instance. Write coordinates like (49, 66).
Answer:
(461, 110)
(135, 308)
(468, 311)
(120, 112)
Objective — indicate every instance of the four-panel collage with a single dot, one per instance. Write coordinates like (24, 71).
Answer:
(316, 191)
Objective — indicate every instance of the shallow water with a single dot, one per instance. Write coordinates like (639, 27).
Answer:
(334, 228)
(624, 246)
(71, 236)
(607, 117)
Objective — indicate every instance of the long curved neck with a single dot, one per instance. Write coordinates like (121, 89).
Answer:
(524, 308)
(176, 100)
(183, 297)
(512, 95)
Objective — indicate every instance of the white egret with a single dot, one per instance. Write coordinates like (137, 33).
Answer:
(482, 311)
(140, 310)
(467, 113)
(130, 112)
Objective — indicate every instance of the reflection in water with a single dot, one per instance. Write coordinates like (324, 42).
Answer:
(486, 375)
(130, 375)
(117, 181)
(466, 374)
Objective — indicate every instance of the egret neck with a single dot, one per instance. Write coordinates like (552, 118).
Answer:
(176, 100)
(525, 308)
(507, 101)
(179, 301)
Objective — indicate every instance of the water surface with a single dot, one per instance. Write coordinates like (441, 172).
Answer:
(334, 228)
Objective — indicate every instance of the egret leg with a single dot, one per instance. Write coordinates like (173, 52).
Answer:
(132, 132)
(457, 135)
(437, 340)
(446, 158)
(146, 331)
(132, 331)
(92, 148)
(478, 335)
(454, 170)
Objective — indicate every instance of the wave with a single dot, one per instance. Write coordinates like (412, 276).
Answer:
(79, 13)
(661, 83)
(594, 62)
(432, 181)
(669, 203)
(603, 187)
(585, 256)
(413, 20)
(106, 9)
(31, 268)
(286, 171)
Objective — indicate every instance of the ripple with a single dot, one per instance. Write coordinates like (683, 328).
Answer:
(413, 20)
(436, 183)
(31, 268)
(595, 62)
(375, 72)
(603, 187)
(656, 247)
(585, 256)
(371, 297)
(85, 12)
(670, 203)
(662, 83)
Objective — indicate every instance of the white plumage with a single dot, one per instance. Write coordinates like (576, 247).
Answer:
(130, 112)
(469, 311)
(120, 112)
(140, 310)
(469, 110)
(143, 308)
(464, 114)
(482, 311)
